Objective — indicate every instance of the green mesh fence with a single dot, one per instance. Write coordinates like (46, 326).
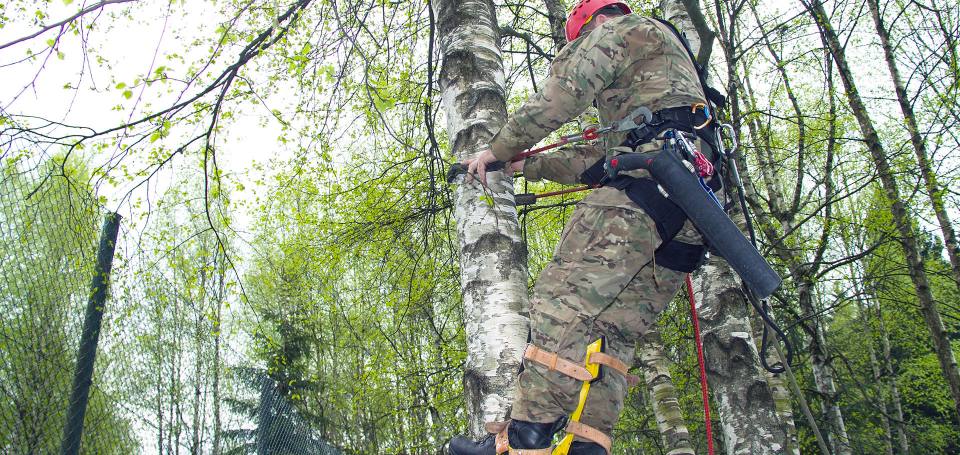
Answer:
(169, 375)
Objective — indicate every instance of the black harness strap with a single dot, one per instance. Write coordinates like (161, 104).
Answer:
(668, 217)
(712, 94)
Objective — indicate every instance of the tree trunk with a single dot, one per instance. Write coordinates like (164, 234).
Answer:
(745, 404)
(746, 407)
(558, 18)
(822, 367)
(903, 221)
(903, 444)
(879, 401)
(781, 394)
(493, 257)
(663, 394)
(221, 291)
(934, 191)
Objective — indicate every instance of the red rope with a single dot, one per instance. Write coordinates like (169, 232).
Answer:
(703, 370)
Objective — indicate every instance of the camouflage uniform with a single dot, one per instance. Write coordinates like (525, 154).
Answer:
(603, 280)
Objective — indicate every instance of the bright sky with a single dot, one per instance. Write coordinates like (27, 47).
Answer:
(131, 47)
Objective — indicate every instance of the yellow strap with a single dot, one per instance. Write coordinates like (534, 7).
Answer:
(594, 368)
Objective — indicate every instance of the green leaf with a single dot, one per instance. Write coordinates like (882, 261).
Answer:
(127, 94)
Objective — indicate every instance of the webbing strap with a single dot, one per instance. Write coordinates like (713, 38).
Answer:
(501, 444)
(616, 364)
(589, 433)
(554, 362)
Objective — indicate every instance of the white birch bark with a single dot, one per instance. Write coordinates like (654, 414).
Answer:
(823, 373)
(493, 257)
(655, 367)
(781, 394)
(894, 391)
(745, 404)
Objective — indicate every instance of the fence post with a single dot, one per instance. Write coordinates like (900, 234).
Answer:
(87, 352)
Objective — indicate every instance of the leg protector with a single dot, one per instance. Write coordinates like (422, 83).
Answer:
(531, 435)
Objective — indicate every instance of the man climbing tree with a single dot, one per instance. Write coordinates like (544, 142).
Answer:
(624, 252)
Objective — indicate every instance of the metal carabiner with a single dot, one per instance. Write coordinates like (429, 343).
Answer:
(629, 123)
(706, 110)
(733, 139)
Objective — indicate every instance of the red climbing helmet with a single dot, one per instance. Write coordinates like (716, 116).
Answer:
(583, 12)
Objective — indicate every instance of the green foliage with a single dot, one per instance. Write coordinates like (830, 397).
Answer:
(335, 314)
(47, 246)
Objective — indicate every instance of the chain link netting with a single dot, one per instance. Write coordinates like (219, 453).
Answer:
(172, 371)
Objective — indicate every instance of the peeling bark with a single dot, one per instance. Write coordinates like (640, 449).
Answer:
(493, 266)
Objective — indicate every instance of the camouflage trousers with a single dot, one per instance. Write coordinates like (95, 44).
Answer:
(602, 281)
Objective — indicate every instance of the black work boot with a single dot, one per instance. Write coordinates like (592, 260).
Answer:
(587, 448)
(461, 445)
(531, 435)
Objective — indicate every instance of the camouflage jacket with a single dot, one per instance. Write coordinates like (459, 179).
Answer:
(626, 62)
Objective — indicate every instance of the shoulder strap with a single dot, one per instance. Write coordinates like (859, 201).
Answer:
(713, 95)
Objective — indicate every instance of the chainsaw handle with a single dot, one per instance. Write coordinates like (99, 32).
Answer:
(459, 168)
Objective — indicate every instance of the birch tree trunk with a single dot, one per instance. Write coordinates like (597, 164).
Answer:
(902, 219)
(663, 394)
(802, 270)
(746, 408)
(493, 260)
(894, 391)
(934, 191)
(823, 371)
(879, 400)
(781, 395)
(557, 17)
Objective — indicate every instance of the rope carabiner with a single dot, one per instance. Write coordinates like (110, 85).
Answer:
(706, 110)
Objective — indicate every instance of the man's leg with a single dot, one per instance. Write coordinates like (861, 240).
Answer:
(601, 283)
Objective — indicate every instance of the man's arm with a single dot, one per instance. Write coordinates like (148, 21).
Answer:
(579, 72)
(564, 165)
